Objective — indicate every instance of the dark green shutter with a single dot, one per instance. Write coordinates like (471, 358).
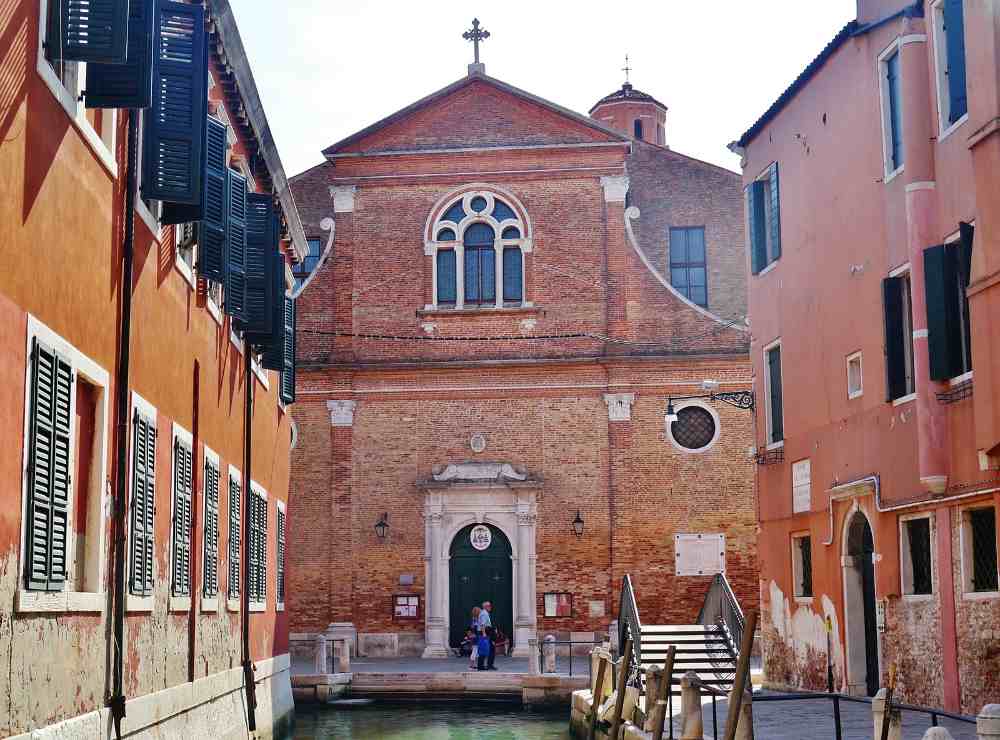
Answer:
(212, 246)
(954, 26)
(174, 127)
(49, 474)
(210, 585)
(757, 219)
(274, 342)
(944, 341)
(280, 558)
(181, 524)
(93, 30)
(255, 535)
(775, 223)
(287, 390)
(181, 213)
(895, 339)
(236, 247)
(963, 268)
(233, 589)
(775, 399)
(262, 516)
(262, 244)
(143, 502)
(128, 85)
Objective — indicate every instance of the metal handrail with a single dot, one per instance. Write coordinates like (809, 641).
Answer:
(629, 625)
(721, 609)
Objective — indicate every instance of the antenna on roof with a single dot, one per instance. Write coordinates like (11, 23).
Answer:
(626, 69)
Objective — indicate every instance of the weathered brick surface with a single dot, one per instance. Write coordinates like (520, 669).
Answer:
(539, 402)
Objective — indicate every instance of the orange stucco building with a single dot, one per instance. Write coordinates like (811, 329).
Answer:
(873, 314)
(62, 200)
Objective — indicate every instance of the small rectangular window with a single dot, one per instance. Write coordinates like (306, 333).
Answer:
(802, 566)
(687, 263)
(898, 328)
(773, 394)
(916, 560)
(302, 270)
(763, 206)
(854, 379)
(981, 549)
(949, 52)
(892, 109)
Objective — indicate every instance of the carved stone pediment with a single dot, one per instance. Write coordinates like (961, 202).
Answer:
(475, 472)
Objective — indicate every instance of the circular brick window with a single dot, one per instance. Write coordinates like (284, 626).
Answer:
(695, 430)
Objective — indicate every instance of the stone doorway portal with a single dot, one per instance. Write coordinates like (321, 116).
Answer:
(861, 626)
(478, 575)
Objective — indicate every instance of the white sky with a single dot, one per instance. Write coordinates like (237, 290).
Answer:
(327, 68)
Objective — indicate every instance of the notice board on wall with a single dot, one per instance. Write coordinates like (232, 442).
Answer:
(700, 554)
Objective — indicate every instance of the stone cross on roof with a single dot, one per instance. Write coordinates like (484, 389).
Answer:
(475, 35)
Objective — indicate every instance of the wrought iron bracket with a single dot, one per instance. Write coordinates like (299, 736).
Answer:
(739, 399)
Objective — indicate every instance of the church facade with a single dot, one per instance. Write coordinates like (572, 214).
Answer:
(509, 298)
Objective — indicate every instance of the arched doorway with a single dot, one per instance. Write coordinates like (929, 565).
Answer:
(859, 606)
(480, 570)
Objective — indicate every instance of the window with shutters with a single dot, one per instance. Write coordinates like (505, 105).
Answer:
(773, 395)
(234, 550)
(916, 555)
(979, 551)
(279, 555)
(802, 580)
(181, 517)
(897, 309)
(947, 18)
(477, 246)
(142, 506)
(149, 209)
(891, 92)
(64, 73)
(258, 545)
(687, 263)
(65, 465)
(186, 250)
(947, 269)
(763, 207)
(210, 535)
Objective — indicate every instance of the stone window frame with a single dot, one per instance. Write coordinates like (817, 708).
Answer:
(859, 390)
(906, 562)
(770, 443)
(881, 65)
(678, 405)
(965, 536)
(436, 223)
(798, 568)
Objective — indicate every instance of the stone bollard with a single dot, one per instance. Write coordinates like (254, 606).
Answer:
(691, 708)
(938, 733)
(549, 653)
(343, 652)
(988, 722)
(744, 725)
(653, 674)
(321, 654)
(895, 719)
(533, 657)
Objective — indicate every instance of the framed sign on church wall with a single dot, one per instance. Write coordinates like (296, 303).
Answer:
(405, 607)
(558, 605)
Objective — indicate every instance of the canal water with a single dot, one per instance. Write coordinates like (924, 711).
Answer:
(452, 721)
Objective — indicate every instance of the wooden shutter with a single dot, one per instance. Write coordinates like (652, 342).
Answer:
(893, 307)
(233, 589)
(93, 30)
(236, 247)
(954, 26)
(49, 475)
(261, 245)
(262, 516)
(210, 581)
(130, 84)
(143, 502)
(253, 512)
(174, 126)
(287, 390)
(212, 249)
(757, 225)
(446, 276)
(775, 223)
(181, 524)
(774, 395)
(944, 341)
(274, 341)
(280, 558)
(512, 274)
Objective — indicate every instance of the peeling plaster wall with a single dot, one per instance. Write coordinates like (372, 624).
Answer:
(795, 641)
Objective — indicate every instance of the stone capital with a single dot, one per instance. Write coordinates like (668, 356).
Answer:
(619, 406)
(343, 198)
(615, 187)
(341, 413)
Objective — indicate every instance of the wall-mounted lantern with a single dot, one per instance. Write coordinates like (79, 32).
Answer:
(382, 526)
(578, 524)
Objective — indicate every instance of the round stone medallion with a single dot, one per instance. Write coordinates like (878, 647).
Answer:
(481, 537)
(478, 442)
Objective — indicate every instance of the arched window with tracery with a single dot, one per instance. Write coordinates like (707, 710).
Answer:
(478, 245)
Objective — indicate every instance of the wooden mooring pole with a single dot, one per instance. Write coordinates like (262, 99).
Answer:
(742, 672)
(623, 670)
(662, 691)
(598, 692)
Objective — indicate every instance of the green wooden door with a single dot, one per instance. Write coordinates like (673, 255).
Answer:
(477, 576)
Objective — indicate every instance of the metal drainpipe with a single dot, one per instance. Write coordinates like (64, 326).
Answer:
(116, 701)
(248, 666)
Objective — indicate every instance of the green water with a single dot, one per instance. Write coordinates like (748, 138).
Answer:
(469, 721)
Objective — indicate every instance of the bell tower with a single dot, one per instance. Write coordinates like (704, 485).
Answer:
(633, 113)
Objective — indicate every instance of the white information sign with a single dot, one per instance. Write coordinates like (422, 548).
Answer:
(801, 480)
(700, 554)
(481, 537)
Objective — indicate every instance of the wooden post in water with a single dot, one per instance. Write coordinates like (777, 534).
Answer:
(623, 670)
(598, 691)
(662, 692)
(742, 672)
